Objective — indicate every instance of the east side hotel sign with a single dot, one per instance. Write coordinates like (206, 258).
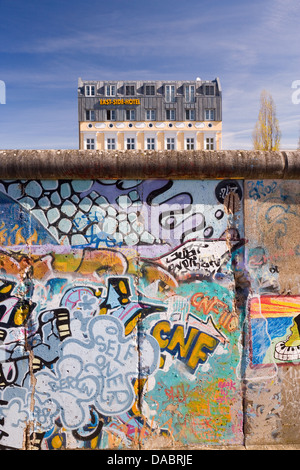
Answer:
(117, 101)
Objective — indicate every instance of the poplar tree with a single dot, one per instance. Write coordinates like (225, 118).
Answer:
(266, 133)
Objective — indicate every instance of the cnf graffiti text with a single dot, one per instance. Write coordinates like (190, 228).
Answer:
(191, 347)
(207, 305)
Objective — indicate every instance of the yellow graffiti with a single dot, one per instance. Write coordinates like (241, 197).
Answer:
(178, 340)
(3, 233)
(192, 348)
(21, 315)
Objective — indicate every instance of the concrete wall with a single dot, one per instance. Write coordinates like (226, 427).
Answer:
(152, 312)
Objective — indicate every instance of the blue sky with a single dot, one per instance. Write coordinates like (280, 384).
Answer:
(46, 45)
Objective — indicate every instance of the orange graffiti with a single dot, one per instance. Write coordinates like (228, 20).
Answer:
(206, 305)
(84, 262)
(178, 393)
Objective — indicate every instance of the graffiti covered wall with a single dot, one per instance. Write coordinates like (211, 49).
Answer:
(148, 313)
(272, 329)
(119, 322)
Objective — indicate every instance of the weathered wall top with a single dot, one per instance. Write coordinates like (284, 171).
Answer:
(131, 164)
(157, 313)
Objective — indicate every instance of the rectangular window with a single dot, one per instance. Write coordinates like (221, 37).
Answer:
(130, 143)
(90, 90)
(110, 114)
(150, 114)
(110, 90)
(190, 143)
(130, 114)
(170, 143)
(190, 93)
(111, 143)
(209, 114)
(209, 143)
(190, 114)
(209, 90)
(150, 90)
(170, 93)
(90, 144)
(129, 90)
(90, 115)
(150, 143)
(170, 114)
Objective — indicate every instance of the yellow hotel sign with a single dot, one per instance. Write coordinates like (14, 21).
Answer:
(117, 101)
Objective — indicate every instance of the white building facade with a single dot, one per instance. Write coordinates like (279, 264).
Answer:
(150, 115)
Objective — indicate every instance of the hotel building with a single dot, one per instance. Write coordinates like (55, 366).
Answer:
(150, 115)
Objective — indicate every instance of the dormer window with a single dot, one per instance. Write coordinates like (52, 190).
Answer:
(209, 90)
(129, 90)
(150, 90)
(110, 90)
(90, 90)
(189, 93)
(170, 93)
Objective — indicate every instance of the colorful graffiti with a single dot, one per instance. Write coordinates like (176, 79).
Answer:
(119, 322)
(273, 250)
(275, 319)
(273, 266)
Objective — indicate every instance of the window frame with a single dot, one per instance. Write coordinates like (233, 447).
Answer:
(188, 114)
(209, 88)
(87, 138)
(88, 90)
(130, 145)
(109, 88)
(170, 97)
(190, 143)
(211, 117)
(108, 142)
(171, 144)
(212, 142)
(129, 112)
(171, 111)
(129, 94)
(188, 95)
(113, 114)
(150, 145)
(152, 88)
(90, 115)
(150, 118)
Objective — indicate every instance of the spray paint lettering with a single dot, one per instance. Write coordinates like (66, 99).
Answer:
(102, 308)
(192, 348)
